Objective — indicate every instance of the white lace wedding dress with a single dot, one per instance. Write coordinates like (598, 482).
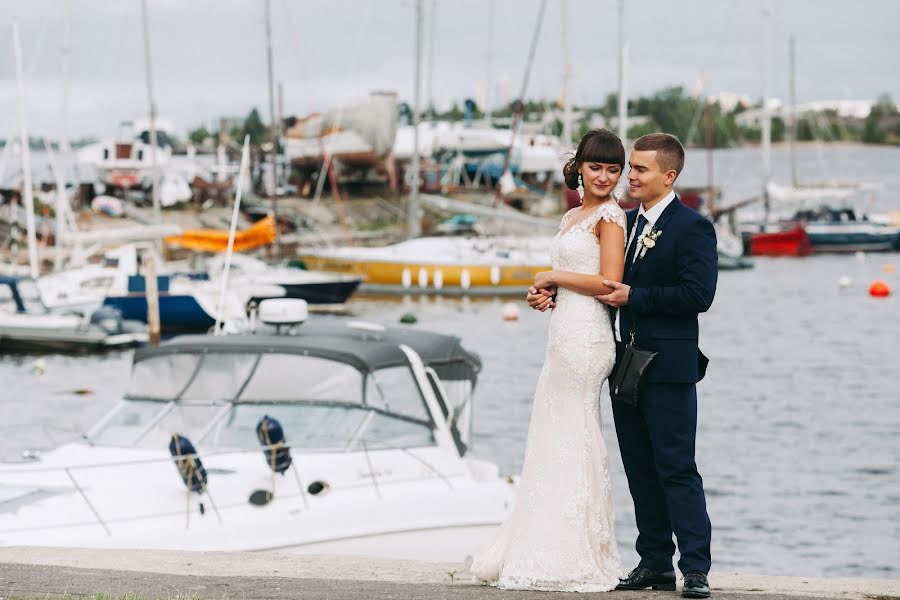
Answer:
(560, 536)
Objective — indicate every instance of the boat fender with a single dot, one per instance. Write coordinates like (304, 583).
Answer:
(271, 436)
(189, 465)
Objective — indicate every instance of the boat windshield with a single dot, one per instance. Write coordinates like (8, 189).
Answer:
(327, 428)
(151, 423)
(322, 404)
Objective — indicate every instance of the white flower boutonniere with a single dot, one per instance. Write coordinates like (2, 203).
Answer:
(648, 240)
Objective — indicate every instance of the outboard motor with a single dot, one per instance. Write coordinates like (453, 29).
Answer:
(188, 463)
(271, 436)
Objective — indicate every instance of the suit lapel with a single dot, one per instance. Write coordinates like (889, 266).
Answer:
(660, 225)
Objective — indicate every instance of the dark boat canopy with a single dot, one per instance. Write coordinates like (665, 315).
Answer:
(366, 347)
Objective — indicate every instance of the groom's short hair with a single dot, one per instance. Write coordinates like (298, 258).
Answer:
(669, 151)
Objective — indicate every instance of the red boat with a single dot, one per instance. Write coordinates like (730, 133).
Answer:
(792, 241)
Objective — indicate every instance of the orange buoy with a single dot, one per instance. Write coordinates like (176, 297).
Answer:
(889, 268)
(879, 289)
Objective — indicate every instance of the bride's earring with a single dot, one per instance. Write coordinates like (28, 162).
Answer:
(580, 186)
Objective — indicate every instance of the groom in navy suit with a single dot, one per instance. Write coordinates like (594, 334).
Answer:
(670, 277)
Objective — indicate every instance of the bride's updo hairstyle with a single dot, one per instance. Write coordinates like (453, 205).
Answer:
(597, 145)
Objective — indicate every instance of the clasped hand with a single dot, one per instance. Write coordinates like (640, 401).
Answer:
(541, 295)
(618, 296)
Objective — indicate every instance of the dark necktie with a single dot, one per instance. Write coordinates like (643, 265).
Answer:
(632, 247)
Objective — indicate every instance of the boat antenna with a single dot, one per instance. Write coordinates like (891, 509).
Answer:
(220, 308)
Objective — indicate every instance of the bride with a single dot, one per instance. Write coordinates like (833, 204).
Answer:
(560, 535)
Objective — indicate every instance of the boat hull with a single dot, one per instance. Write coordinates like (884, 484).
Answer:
(26, 341)
(177, 313)
(848, 239)
(425, 276)
(790, 242)
(336, 292)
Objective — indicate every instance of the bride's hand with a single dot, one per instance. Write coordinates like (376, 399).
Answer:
(544, 280)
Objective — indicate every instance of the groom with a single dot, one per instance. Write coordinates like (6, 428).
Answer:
(670, 277)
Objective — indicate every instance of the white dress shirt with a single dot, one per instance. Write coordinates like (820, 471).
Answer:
(652, 217)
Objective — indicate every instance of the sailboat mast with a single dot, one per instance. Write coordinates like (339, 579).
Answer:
(489, 83)
(413, 225)
(64, 149)
(567, 81)
(792, 130)
(766, 116)
(27, 191)
(623, 96)
(148, 68)
(431, 36)
(273, 156)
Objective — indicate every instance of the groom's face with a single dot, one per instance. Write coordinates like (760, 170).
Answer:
(646, 179)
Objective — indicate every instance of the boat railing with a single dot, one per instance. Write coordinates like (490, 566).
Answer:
(70, 471)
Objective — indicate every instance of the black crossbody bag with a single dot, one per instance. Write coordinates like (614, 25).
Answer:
(626, 383)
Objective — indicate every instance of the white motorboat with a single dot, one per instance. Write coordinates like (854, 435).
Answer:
(27, 325)
(187, 302)
(376, 422)
(255, 279)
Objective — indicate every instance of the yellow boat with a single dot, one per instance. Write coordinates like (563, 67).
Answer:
(444, 265)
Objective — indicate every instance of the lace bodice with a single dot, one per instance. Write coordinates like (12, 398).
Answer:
(575, 247)
(560, 534)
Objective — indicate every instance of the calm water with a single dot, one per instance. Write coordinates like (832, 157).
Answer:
(799, 432)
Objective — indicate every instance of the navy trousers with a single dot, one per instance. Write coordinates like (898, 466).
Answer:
(656, 439)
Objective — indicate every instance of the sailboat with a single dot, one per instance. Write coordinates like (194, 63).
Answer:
(772, 237)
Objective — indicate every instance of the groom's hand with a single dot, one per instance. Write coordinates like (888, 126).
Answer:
(619, 295)
(540, 299)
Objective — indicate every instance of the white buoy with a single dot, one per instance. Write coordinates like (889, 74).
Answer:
(495, 275)
(423, 277)
(510, 312)
(438, 279)
(860, 255)
(406, 278)
(844, 281)
(465, 280)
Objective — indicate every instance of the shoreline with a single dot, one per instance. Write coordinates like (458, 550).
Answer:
(36, 572)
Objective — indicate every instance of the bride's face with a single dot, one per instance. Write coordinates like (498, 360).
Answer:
(599, 179)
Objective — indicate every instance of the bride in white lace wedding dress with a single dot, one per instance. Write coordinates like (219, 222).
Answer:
(559, 536)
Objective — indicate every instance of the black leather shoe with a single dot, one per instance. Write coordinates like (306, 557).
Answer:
(642, 578)
(695, 585)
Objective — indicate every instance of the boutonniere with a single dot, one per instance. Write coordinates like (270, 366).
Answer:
(648, 240)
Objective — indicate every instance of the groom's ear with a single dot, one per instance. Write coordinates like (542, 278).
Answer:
(671, 176)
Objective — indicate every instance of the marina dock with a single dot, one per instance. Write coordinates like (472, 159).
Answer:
(30, 572)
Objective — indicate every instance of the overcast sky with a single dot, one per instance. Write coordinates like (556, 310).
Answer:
(209, 56)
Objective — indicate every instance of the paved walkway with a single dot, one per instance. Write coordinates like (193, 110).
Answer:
(51, 572)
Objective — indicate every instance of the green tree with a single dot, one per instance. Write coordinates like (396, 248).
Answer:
(873, 132)
(199, 135)
(254, 126)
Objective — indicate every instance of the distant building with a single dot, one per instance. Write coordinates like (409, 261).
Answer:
(846, 110)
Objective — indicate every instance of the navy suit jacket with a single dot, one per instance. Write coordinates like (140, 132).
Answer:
(671, 285)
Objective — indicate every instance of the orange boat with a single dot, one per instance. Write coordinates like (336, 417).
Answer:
(261, 233)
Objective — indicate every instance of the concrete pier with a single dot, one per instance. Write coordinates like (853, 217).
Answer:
(30, 572)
